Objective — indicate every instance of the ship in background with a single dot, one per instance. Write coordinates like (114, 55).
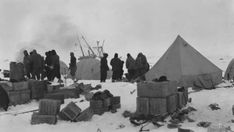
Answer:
(88, 65)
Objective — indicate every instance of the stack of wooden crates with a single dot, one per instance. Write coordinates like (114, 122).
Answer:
(48, 111)
(157, 98)
(18, 92)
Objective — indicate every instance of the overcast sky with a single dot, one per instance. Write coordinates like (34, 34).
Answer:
(148, 26)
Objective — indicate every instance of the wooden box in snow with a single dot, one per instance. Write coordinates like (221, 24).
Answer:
(156, 89)
(20, 85)
(49, 107)
(157, 106)
(37, 88)
(143, 106)
(54, 96)
(71, 111)
(38, 119)
(16, 72)
(85, 115)
(19, 97)
(172, 103)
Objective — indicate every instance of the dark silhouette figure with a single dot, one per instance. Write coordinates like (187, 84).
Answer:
(131, 67)
(48, 65)
(116, 67)
(36, 65)
(142, 66)
(55, 63)
(72, 65)
(27, 64)
(104, 67)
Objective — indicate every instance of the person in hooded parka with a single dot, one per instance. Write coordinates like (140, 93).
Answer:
(55, 65)
(131, 67)
(142, 66)
(36, 65)
(116, 67)
(4, 99)
(104, 67)
(229, 74)
(27, 62)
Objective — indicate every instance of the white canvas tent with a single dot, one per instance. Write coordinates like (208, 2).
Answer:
(184, 64)
(229, 74)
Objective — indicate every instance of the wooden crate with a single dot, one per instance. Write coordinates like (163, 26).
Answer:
(19, 97)
(6, 85)
(20, 85)
(172, 103)
(38, 88)
(38, 119)
(156, 89)
(85, 115)
(115, 100)
(68, 93)
(49, 107)
(54, 96)
(71, 111)
(16, 72)
(157, 106)
(95, 104)
(99, 111)
(143, 106)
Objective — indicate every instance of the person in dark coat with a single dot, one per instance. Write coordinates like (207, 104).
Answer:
(116, 67)
(142, 66)
(36, 65)
(55, 62)
(27, 62)
(72, 65)
(48, 65)
(4, 99)
(131, 67)
(121, 70)
(104, 67)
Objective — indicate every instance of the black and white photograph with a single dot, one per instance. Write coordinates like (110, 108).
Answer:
(117, 65)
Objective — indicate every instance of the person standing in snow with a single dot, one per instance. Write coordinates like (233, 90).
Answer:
(142, 66)
(55, 64)
(104, 67)
(27, 62)
(72, 65)
(36, 65)
(116, 67)
(131, 66)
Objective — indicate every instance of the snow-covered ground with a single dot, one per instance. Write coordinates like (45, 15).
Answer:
(112, 122)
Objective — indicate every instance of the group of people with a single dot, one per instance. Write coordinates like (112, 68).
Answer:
(136, 67)
(36, 67)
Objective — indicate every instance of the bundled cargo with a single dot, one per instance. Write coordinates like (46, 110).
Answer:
(37, 88)
(71, 111)
(38, 119)
(49, 107)
(104, 101)
(6, 85)
(19, 97)
(85, 115)
(16, 72)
